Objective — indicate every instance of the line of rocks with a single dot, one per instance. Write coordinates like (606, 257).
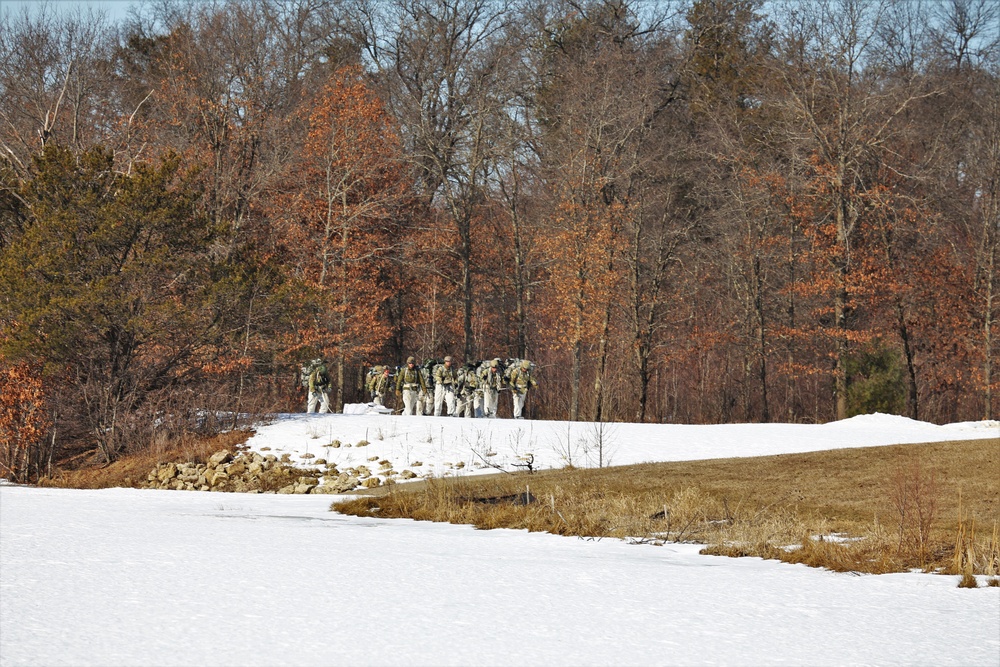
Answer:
(250, 472)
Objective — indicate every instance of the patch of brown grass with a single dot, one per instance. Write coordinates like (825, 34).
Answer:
(877, 509)
(131, 470)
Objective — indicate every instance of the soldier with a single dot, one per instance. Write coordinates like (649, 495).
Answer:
(319, 387)
(520, 382)
(445, 383)
(425, 399)
(468, 390)
(381, 387)
(492, 382)
(409, 382)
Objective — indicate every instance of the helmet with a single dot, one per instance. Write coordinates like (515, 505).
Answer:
(447, 359)
(411, 360)
(525, 364)
(494, 363)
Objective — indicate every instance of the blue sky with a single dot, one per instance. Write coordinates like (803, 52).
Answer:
(117, 9)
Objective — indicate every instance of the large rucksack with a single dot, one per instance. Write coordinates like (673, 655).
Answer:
(373, 374)
(428, 368)
(307, 370)
(483, 371)
(514, 364)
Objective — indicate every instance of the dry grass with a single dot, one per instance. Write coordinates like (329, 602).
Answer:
(879, 509)
(131, 470)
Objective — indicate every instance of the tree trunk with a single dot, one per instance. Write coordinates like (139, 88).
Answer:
(602, 361)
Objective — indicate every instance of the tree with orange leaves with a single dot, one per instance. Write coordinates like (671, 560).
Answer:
(344, 214)
(845, 114)
(23, 420)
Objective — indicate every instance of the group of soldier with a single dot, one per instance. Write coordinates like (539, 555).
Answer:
(437, 388)
(470, 390)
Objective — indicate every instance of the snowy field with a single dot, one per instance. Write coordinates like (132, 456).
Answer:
(446, 446)
(130, 577)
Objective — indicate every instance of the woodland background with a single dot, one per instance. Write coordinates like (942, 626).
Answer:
(695, 211)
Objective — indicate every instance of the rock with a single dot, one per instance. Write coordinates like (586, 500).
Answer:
(362, 443)
(343, 484)
(287, 489)
(166, 472)
(321, 462)
(236, 469)
(307, 455)
(219, 458)
(363, 471)
(286, 458)
(335, 444)
(371, 482)
(407, 474)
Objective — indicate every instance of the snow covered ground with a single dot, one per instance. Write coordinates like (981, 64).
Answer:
(443, 446)
(129, 577)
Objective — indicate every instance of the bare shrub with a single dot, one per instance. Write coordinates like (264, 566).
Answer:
(914, 495)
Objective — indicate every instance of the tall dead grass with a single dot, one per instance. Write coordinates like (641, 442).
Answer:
(876, 510)
(86, 471)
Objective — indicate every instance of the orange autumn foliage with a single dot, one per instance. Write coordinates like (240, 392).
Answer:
(24, 418)
(344, 216)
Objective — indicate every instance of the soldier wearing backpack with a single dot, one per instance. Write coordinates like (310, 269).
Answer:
(492, 381)
(380, 387)
(520, 382)
(468, 390)
(409, 382)
(425, 398)
(445, 384)
(318, 383)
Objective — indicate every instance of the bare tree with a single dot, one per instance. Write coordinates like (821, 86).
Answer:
(443, 65)
(55, 82)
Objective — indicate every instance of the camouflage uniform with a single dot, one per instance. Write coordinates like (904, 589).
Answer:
(425, 399)
(445, 384)
(381, 387)
(492, 382)
(468, 390)
(409, 382)
(520, 382)
(319, 386)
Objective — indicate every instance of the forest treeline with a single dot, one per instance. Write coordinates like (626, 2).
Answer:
(696, 211)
